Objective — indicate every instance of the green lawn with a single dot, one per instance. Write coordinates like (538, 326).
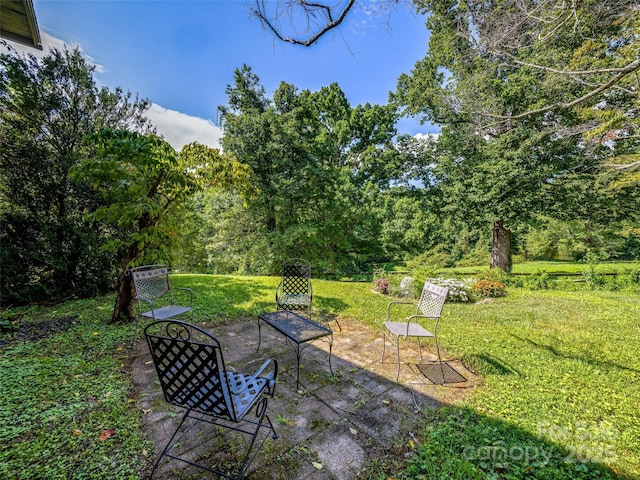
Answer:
(550, 267)
(560, 395)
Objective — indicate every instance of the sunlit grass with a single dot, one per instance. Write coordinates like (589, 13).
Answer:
(559, 365)
(550, 267)
(560, 372)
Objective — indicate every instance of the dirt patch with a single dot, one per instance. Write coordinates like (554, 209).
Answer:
(357, 423)
(32, 331)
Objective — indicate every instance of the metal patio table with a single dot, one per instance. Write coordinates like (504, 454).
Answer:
(298, 329)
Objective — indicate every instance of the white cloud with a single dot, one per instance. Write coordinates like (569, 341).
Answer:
(48, 43)
(180, 129)
(177, 128)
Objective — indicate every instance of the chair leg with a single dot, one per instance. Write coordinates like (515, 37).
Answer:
(339, 326)
(261, 413)
(169, 443)
(384, 344)
(435, 340)
(398, 357)
(250, 452)
(135, 332)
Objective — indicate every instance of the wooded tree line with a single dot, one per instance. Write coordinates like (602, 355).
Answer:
(537, 156)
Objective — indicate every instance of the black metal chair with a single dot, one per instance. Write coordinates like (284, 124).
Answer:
(193, 376)
(429, 306)
(295, 292)
(154, 291)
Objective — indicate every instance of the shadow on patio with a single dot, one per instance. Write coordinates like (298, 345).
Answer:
(333, 427)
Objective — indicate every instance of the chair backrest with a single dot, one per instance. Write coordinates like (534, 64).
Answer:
(432, 300)
(151, 281)
(296, 275)
(190, 368)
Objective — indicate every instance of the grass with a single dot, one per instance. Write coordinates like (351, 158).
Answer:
(560, 371)
(560, 395)
(60, 393)
(550, 267)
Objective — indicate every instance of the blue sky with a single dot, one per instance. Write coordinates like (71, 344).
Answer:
(181, 55)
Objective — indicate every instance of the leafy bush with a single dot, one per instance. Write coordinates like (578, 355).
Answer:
(489, 288)
(459, 291)
(432, 259)
(539, 281)
(381, 285)
(494, 275)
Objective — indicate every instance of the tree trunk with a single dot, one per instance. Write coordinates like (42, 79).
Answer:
(501, 247)
(124, 305)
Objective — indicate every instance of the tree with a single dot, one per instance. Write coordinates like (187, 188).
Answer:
(549, 70)
(316, 163)
(144, 182)
(48, 249)
(511, 120)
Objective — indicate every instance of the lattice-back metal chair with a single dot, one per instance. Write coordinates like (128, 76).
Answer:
(429, 306)
(154, 291)
(295, 292)
(193, 375)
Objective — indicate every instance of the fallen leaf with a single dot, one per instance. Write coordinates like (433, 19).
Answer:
(412, 443)
(353, 430)
(95, 333)
(107, 433)
(149, 362)
(77, 432)
(144, 452)
(386, 402)
(319, 466)
(107, 395)
(145, 411)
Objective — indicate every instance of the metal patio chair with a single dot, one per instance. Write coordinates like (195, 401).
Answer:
(429, 306)
(193, 376)
(154, 291)
(295, 292)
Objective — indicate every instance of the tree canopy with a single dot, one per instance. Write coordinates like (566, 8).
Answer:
(313, 159)
(47, 107)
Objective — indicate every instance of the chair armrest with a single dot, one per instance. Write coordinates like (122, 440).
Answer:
(271, 378)
(396, 303)
(413, 317)
(278, 291)
(190, 293)
(144, 299)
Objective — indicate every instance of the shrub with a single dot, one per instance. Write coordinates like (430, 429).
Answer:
(495, 275)
(459, 291)
(489, 288)
(380, 285)
(407, 287)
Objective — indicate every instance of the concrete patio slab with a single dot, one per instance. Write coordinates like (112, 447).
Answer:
(333, 427)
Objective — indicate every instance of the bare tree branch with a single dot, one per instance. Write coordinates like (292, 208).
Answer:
(633, 66)
(326, 16)
(624, 70)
